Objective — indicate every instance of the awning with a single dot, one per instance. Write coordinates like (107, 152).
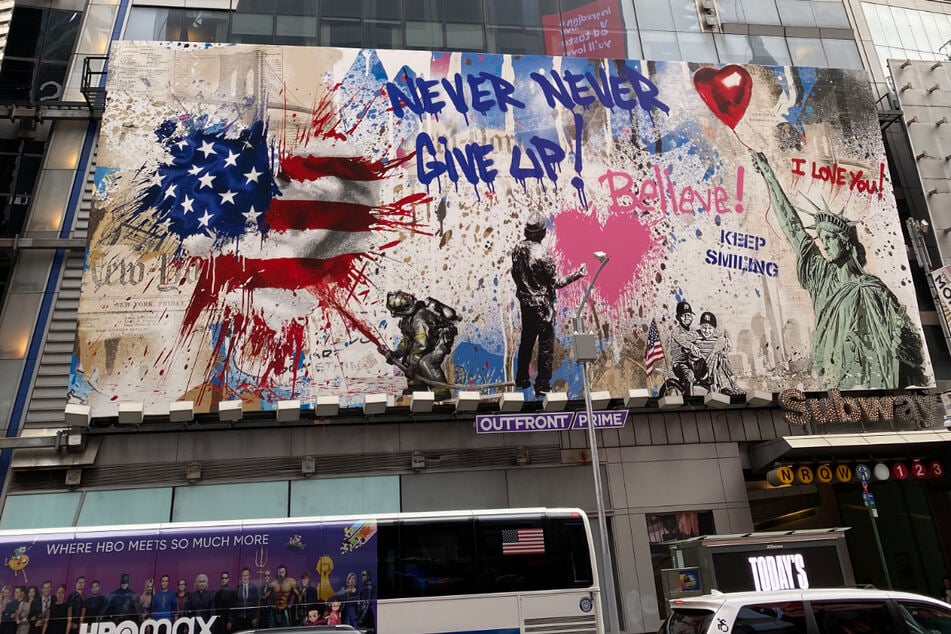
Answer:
(763, 456)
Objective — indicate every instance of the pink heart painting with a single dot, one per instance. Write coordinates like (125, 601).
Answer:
(626, 241)
(726, 91)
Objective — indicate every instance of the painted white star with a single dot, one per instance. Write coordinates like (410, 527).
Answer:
(251, 216)
(157, 179)
(203, 221)
(182, 143)
(165, 225)
(227, 196)
(252, 175)
(170, 192)
(232, 159)
(187, 204)
(207, 148)
(206, 181)
(195, 170)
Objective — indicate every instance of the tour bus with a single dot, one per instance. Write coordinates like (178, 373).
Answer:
(499, 571)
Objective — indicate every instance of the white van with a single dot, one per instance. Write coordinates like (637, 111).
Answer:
(813, 611)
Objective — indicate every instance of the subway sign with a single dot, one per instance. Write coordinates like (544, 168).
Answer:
(829, 473)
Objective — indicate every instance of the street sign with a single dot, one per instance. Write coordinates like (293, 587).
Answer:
(936, 469)
(863, 472)
(843, 473)
(782, 476)
(881, 472)
(900, 470)
(804, 474)
(824, 473)
(918, 469)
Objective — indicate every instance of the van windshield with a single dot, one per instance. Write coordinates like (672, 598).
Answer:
(687, 622)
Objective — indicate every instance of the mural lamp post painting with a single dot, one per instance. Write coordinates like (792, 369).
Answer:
(584, 346)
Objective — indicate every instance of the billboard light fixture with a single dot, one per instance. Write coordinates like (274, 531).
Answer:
(230, 411)
(716, 399)
(600, 400)
(77, 415)
(555, 401)
(468, 401)
(759, 398)
(637, 397)
(327, 405)
(181, 411)
(131, 413)
(288, 410)
(511, 402)
(374, 404)
(671, 400)
(422, 402)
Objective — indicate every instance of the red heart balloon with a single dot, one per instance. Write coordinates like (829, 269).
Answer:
(726, 91)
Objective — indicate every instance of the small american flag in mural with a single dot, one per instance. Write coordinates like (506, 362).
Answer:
(523, 541)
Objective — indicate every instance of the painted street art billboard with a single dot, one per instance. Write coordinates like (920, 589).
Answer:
(192, 580)
(277, 223)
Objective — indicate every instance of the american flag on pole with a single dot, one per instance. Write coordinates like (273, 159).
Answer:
(654, 351)
(523, 541)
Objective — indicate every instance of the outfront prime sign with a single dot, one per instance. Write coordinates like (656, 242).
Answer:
(548, 421)
(277, 223)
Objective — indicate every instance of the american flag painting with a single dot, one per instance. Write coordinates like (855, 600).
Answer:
(523, 541)
(654, 350)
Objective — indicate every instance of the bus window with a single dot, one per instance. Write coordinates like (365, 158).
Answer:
(436, 558)
(528, 553)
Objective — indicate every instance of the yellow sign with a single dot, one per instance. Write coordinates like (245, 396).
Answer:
(783, 476)
(843, 473)
(824, 473)
(804, 474)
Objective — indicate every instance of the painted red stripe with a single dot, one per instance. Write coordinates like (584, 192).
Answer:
(314, 214)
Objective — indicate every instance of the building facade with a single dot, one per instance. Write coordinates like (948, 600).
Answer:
(94, 437)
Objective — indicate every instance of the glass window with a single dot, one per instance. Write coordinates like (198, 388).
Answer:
(206, 26)
(796, 13)
(353, 496)
(505, 40)
(653, 16)
(685, 15)
(463, 11)
(761, 11)
(342, 8)
(16, 79)
(688, 621)
(60, 36)
(424, 35)
(129, 506)
(697, 47)
(296, 30)
(769, 50)
(776, 618)
(151, 24)
(247, 500)
(922, 618)
(383, 34)
(26, 32)
(842, 53)
(436, 558)
(41, 510)
(532, 554)
(660, 45)
(252, 24)
(831, 15)
(345, 33)
(424, 10)
(18, 322)
(834, 617)
(464, 37)
(731, 12)
(807, 51)
(295, 7)
(733, 48)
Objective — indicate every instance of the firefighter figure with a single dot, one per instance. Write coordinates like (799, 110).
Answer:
(429, 330)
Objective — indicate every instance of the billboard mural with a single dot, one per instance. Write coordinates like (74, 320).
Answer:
(278, 223)
(192, 580)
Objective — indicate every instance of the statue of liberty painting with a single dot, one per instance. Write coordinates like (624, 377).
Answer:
(863, 336)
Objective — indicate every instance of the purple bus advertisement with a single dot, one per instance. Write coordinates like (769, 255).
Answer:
(189, 579)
